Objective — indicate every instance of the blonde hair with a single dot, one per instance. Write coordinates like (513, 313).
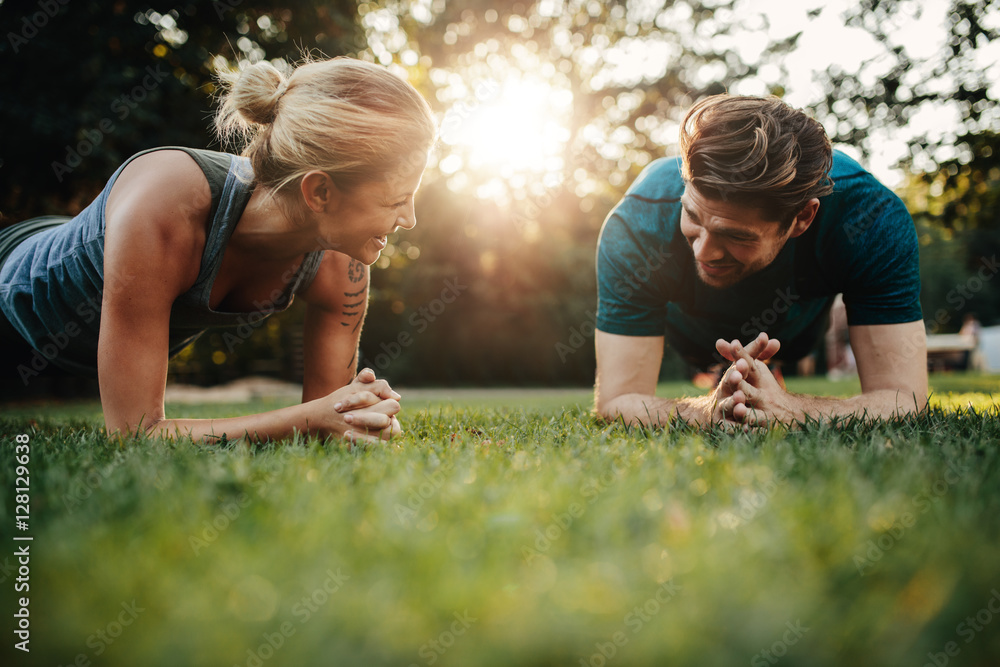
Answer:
(756, 151)
(352, 119)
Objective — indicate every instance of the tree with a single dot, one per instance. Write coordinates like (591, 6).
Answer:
(956, 81)
(87, 84)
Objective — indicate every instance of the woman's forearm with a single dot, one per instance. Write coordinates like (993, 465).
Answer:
(271, 425)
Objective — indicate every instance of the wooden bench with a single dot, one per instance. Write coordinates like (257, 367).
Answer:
(945, 351)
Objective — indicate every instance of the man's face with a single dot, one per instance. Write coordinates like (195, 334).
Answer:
(729, 241)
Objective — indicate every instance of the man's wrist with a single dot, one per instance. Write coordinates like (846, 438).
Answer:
(697, 410)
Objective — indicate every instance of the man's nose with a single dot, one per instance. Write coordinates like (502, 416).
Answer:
(706, 249)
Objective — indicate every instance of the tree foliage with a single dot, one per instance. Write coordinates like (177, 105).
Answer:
(87, 84)
(890, 89)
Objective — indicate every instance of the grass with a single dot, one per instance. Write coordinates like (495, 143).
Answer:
(515, 532)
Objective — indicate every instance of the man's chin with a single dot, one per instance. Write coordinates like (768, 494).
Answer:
(727, 279)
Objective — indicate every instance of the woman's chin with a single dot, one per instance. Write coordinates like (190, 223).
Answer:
(366, 256)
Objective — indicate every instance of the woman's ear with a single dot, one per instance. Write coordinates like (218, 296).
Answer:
(319, 192)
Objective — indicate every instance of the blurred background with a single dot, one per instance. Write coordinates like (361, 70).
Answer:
(548, 111)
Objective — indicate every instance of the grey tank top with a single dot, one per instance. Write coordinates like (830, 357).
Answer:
(52, 280)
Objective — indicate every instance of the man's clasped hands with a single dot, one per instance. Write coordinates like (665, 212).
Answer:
(748, 394)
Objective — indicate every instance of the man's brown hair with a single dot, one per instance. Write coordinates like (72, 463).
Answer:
(756, 151)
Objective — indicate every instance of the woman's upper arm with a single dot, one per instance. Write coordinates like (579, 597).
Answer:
(340, 285)
(337, 301)
(154, 237)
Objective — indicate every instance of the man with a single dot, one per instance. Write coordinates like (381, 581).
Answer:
(750, 235)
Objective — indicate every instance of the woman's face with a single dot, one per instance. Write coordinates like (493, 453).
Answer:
(371, 211)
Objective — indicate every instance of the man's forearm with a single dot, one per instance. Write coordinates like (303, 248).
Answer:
(882, 403)
(636, 409)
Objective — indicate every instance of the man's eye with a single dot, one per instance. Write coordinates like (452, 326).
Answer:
(400, 204)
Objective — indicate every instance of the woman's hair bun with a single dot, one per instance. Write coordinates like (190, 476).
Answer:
(252, 96)
(355, 120)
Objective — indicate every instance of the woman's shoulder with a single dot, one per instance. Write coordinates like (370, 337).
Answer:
(162, 183)
(163, 197)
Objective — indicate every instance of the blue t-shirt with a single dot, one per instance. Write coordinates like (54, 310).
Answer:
(862, 244)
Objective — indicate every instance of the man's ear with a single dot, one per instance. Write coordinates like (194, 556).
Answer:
(319, 192)
(804, 218)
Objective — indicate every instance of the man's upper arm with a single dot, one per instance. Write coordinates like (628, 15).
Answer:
(632, 292)
(878, 255)
(892, 357)
(626, 365)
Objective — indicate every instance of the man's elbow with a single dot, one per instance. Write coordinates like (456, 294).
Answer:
(903, 402)
(607, 408)
(913, 403)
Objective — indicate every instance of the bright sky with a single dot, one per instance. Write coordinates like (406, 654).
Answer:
(515, 135)
(825, 40)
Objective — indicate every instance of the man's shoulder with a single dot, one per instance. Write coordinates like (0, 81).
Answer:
(850, 178)
(652, 201)
(659, 183)
(863, 228)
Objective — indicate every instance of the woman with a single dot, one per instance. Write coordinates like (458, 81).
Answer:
(181, 240)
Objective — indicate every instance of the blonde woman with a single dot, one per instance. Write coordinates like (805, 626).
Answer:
(182, 240)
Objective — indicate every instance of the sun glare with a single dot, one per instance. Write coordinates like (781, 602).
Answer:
(514, 132)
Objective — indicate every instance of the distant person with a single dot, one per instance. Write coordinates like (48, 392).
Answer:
(182, 240)
(971, 329)
(749, 236)
(839, 357)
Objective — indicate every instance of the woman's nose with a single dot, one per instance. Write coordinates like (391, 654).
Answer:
(408, 220)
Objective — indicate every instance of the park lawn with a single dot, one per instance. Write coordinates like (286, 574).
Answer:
(519, 533)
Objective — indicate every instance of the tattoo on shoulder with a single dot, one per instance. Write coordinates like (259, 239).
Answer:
(355, 271)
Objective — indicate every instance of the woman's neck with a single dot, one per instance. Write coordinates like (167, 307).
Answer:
(270, 229)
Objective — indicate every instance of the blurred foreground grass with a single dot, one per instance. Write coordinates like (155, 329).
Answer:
(498, 532)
